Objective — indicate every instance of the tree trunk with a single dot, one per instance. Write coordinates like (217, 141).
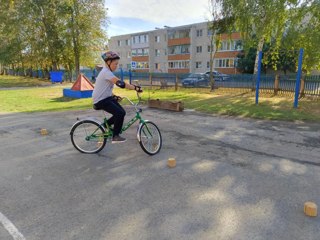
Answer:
(54, 66)
(302, 87)
(260, 47)
(77, 60)
(211, 62)
(70, 71)
(75, 37)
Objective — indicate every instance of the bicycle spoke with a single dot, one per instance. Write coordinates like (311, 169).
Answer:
(88, 137)
(150, 138)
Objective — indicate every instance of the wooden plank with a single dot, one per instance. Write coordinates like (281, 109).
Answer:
(167, 105)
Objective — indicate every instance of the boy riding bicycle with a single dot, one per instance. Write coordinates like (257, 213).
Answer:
(103, 97)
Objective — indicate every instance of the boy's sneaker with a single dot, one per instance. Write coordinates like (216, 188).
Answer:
(118, 139)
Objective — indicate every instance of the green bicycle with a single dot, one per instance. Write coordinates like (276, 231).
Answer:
(91, 135)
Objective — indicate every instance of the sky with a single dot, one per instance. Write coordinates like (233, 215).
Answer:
(130, 16)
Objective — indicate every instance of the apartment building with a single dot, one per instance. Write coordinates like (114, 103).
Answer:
(181, 49)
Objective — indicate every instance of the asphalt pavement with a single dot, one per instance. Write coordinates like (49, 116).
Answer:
(235, 179)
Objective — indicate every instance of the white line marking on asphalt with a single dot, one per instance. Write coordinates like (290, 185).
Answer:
(8, 225)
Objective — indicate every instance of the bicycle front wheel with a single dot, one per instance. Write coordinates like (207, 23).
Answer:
(88, 136)
(150, 138)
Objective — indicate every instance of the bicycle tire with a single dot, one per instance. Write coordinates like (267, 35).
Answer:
(81, 133)
(149, 132)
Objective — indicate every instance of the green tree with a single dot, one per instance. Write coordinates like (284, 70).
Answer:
(306, 35)
(217, 25)
(260, 21)
(246, 61)
(49, 33)
(86, 20)
(11, 45)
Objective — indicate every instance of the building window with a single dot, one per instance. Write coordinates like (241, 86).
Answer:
(129, 54)
(144, 39)
(208, 64)
(142, 65)
(145, 52)
(140, 39)
(231, 45)
(175, 34)
(179, 65)
(157, 66)
(199, 33)
(199, 49)
(225, 46)
(198, 64)
(237, 45)
(224, 63)
(157, 38)
(179, 49)
(157, 52)
(209, 48)
(140, 52)
(119, 43)
(128, 42)
(210, 32)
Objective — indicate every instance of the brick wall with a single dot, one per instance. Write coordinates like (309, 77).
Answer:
(178, 57)
(178, 41)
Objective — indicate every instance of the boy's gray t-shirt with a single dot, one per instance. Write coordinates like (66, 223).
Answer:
(103, 86)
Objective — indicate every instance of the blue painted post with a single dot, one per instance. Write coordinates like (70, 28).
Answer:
(258, 77)
(296, 96)
(121, 74)
(130, 76)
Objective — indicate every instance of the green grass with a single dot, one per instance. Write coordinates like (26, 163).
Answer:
(243, 105)
(17, 81)
(222, 103)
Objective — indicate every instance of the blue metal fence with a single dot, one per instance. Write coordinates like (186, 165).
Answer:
(312, 86)
(89, 73)
(285, 84)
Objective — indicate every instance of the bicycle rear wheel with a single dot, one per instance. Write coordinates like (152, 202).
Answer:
(150, 138)
(88, 136)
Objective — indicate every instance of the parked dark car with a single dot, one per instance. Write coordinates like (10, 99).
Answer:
(195, 80)
(218, 76)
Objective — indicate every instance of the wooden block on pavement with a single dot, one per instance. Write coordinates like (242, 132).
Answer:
(310, 209)
(171, 162)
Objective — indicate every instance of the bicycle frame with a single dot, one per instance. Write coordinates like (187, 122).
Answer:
(136, 118)
(109, 130)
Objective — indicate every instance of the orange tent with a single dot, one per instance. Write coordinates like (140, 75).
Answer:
(82, 84)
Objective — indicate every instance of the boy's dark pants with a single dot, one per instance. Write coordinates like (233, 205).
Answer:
(110, 105)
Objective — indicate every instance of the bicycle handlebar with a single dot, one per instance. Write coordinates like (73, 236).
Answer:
(132, 103)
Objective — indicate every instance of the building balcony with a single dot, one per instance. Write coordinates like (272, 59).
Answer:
(179, 41)
(179, 57)
(227, 54)
(140, 58)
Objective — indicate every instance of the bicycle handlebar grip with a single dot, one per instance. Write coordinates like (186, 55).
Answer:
(137, 88)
